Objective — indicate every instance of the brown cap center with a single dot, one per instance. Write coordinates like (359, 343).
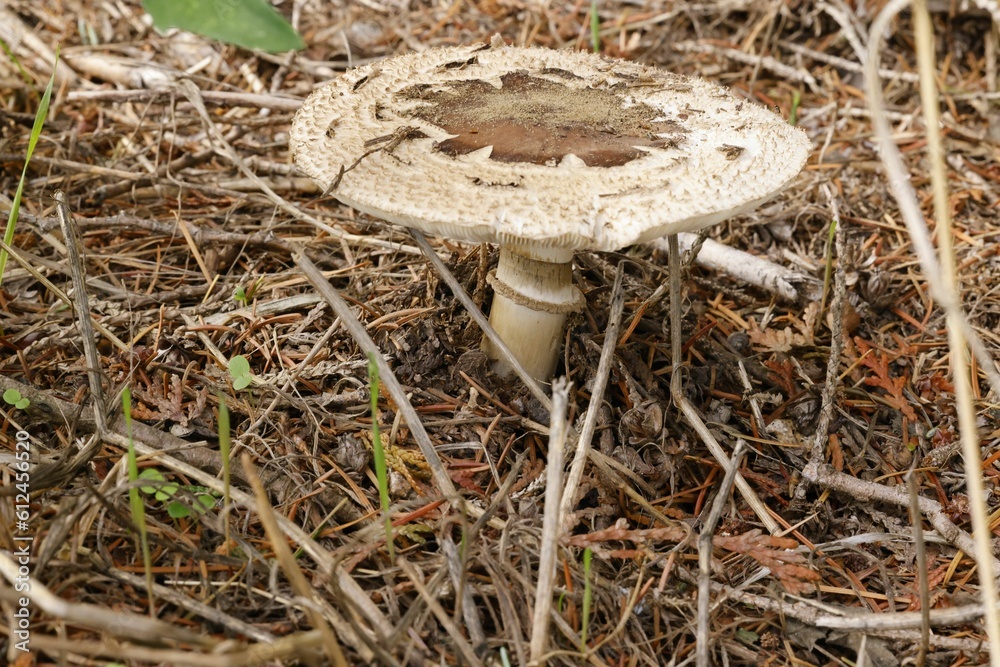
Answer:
(530, 119)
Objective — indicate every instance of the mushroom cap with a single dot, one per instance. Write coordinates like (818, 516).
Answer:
(533, 147)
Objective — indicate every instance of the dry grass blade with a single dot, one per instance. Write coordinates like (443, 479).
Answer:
(221, 97)
(300, 585)
(900, 625)
(459, 642)
(281, 648)
(582, 451)
(82, 310)
(687, 409)
(958, 350)
(367, 345)
(470, 613)
(703, 637)
(909, 208)
(836, 318)
(484, 324)
(552, 522)
(115, 623)
(917, 520)
(943, 282)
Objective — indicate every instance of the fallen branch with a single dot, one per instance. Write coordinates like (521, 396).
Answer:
(869, 492)
(784, 283)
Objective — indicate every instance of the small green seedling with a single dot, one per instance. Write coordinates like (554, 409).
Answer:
(239, 370)
(243, 295)
(13, 397)
(166, 492)
(205, 501)
(162, 491)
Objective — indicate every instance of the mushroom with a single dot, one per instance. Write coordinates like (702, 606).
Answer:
(546, 153)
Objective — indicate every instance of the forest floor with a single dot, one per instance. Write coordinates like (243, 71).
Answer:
(190, 262)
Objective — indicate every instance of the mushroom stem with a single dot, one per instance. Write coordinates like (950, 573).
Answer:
(534, 293)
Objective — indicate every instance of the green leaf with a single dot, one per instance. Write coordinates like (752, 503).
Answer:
(252, 24)
(242, 382)
(747, 636)
(178, 510)
(163, 490)
(151, 474)
(22, 404)
(239, 367)
(11, 396)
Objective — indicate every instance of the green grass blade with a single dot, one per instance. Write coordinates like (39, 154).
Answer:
(381, 473)
(224, 448)
(588, 595)
(828, 272)
(17, 63)
(793, 114)
(36, 131)
(595, 28)
(135, 500)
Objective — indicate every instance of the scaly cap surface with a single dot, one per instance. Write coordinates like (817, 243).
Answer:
(528, 146)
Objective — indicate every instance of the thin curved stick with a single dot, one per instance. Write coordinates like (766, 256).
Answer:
(583, 442)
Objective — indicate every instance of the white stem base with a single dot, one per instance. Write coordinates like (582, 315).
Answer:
(535, 338)
(533, 296)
